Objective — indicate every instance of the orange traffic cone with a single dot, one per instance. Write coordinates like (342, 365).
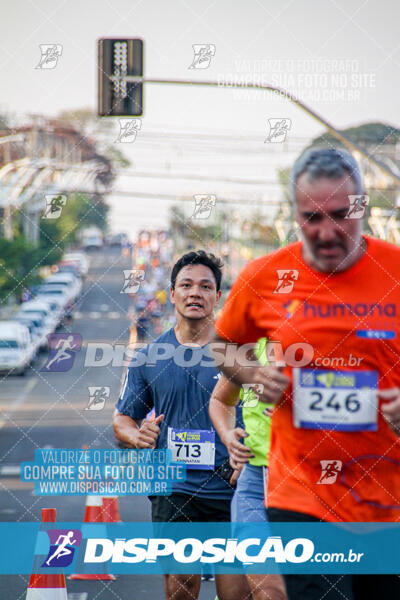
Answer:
(111, 512)
(93, 514)
(94, 510)
(47, 586)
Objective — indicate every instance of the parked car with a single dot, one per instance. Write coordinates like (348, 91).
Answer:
(42, 329)
(16, 348)
(58, 294)
(72, 284)
(67, 266)
(35, 323)
(54, 303)
(51, 320)
(91, 238)
(80, 259)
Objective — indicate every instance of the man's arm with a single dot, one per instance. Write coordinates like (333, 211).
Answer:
(223, 416)
(391, 409)
(134, 403)
(135, 433)
(249, 370)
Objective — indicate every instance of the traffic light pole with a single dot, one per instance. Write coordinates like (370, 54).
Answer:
(317, 117)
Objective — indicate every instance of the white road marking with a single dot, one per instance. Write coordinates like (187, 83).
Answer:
(94, 314)
(20, 399)
(104, 307)
(10, 470)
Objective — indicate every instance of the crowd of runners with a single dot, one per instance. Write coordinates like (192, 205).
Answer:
(267, 434)
(152, 255)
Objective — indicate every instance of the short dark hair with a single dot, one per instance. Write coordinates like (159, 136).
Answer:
(199, 257)
(332, 163)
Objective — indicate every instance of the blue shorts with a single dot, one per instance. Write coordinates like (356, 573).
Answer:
(248, 500)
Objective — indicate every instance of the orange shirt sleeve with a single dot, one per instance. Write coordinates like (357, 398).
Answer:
(236, 323)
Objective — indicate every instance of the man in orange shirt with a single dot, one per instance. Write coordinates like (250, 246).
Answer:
(329, 307)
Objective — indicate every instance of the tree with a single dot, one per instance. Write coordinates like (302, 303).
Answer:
(367, 134)
(80, 211)
(18, 266)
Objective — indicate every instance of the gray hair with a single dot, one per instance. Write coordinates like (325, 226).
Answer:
(331, 163)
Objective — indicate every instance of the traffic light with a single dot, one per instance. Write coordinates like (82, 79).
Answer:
(120, 58)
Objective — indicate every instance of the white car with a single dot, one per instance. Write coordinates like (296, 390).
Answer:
(35, 323)
(56, 294)
(54, 304)
(80, 259)
(16, 348)
(42, 329)
(72, 284)
(91, 238)
(36, 306)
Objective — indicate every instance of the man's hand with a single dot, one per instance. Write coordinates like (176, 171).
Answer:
(270, 376)
(146, 436)
(391, 408)
(239, 454)
(235, 476)
(274, 381)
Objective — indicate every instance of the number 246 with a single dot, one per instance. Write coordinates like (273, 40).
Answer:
(351, 402)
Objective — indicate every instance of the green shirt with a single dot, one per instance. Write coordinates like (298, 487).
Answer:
(256, 424)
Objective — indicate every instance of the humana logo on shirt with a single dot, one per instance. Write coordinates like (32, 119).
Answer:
(190, 550)
(338, 309)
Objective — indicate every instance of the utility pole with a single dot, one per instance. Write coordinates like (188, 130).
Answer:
(7, 211)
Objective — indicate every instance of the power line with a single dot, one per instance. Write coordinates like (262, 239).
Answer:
(163, 196)
(343, 138)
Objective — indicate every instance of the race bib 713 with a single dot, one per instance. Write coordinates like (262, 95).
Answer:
(195, 447)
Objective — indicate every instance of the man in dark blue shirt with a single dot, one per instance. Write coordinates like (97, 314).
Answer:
(175, 375)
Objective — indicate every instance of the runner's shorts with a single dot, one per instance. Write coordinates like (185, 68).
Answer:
(184, 507)
(248, 499)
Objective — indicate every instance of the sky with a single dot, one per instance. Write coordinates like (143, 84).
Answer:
(342, 57)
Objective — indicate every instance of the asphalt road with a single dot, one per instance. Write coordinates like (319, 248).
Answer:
(47, 409)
